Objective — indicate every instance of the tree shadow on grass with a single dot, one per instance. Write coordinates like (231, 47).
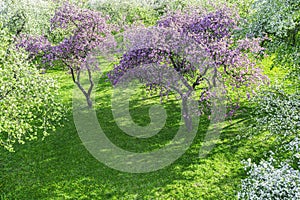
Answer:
(60, 167)
(239, 134)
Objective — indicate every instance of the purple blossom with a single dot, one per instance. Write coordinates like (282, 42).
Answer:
(227, 59)
(87, 30)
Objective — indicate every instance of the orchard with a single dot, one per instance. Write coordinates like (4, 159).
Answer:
(149, 99)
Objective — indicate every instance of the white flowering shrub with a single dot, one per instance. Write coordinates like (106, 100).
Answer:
(27, 16)
(279, 20)
(293, 147)
(28, 102)
(276, 112)
(273, 17)
(268, 182)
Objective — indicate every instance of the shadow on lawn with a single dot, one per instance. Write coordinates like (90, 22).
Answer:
(239, 134)
(61, 168)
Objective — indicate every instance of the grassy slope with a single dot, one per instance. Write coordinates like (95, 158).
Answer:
(61, 168)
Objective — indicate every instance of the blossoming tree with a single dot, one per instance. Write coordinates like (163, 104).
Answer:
(74, 34)
(228, 59)
(28, 100)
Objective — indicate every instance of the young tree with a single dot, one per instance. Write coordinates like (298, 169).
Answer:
(74, 34)
(28, 101)
(228, 60)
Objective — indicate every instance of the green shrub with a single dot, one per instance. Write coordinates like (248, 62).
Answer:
(28, 104)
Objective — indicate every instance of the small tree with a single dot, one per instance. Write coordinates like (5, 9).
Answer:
(28, 102)
(74, 34)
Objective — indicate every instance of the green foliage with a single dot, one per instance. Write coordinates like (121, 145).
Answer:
(27, 16)
(123, 13)
(128, 12)
(243, 6)
(287, 56)
(28, 104)
(279, 20)
(277, 112)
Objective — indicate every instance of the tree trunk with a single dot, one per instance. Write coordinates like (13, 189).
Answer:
(89, 101)
(88, 93)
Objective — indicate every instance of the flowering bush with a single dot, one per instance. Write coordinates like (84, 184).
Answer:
(28, 102)
(276, 112)
(27, 16)
(274, 17)
(268, 182)
(279, 20)
(294, 147)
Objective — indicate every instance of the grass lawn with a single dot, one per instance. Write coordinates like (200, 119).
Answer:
(61, 168)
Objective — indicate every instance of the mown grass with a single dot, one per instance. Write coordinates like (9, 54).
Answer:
(61, 168)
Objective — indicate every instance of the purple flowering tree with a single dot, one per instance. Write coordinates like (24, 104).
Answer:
(74, 34)
(229, 61)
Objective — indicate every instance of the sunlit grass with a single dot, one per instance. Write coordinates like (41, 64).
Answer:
(61, 168)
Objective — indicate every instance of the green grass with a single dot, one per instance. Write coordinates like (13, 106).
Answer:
(61, 168)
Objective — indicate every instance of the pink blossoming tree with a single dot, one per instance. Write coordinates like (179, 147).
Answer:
(228, 59)
(80, 32)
